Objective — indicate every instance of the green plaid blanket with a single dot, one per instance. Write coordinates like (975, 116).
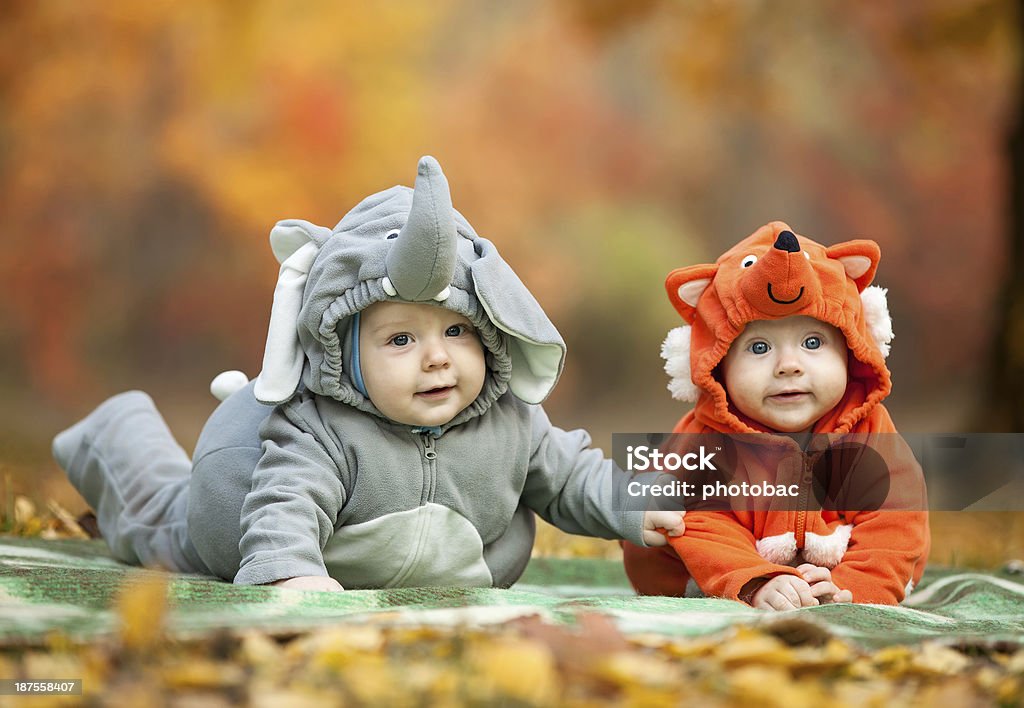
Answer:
(69, 587)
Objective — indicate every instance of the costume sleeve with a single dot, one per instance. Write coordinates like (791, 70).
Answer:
(572, 485)
(721, 555)
(889, 542)
(886, 553)
(289, 515)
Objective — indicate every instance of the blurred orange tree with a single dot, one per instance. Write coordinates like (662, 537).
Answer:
(148, 149)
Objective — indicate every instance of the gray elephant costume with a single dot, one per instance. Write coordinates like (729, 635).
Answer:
(298, 473)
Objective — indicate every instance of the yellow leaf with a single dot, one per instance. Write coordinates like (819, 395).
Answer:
(335, 648)
(66, 520)
(300, 697)
(142, 607)
(1015, 664)
(24, 510)
(863, 668)
(258, 649)
(938, 660)
(751, 646)
(834, 654)
(202, 673)
(372, 680)
(626, 668)
(893, 661)
(516, 668)
(1008, 691)
(688, 649)
(772, 686)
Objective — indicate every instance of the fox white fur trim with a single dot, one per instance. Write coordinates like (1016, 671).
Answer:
(824, 551)
(675, 350)
(827, 551)
(876, 316)
(779, 549)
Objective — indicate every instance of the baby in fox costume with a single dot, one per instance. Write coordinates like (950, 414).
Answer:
(786, 338)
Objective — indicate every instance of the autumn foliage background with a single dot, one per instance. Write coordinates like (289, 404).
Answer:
(146, 149)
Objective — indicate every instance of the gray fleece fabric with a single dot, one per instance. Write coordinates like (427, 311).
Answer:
(321, 483)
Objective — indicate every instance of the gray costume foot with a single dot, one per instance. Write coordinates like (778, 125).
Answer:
(124, 461)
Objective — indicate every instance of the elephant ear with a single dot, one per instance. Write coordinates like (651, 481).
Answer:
(535, 347)
(296, 244)
(686, 285)
(859, 258)
(290, 235)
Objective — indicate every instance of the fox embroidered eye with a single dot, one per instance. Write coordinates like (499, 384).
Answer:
(748, 261)
(758, 348)
(392, 234)
(813, 342)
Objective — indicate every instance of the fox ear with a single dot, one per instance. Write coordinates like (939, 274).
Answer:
(859, 258)
(686, 285)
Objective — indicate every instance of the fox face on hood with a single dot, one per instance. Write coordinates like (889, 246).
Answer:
(404, 245)
(775, 273)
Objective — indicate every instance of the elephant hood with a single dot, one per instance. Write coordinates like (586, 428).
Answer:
(405, 245)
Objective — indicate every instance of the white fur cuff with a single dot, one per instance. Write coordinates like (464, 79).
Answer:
(779, 549)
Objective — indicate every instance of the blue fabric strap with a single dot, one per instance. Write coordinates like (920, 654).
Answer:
(357, 373)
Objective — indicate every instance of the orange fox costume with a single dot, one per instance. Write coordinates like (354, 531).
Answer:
(878, 555)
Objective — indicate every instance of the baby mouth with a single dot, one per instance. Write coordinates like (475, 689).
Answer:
(788, 396)
(436, 392)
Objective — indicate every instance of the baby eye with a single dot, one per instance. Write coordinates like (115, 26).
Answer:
(759, 348)
(454, 330)
(399, 340)
(748, 261)
(813, 342)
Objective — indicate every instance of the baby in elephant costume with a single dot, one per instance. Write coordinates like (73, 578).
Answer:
(394, 437)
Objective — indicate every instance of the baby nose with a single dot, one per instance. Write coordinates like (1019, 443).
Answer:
(788, 362)
(436, 355)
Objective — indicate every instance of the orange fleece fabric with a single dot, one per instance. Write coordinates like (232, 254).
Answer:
(877, 555)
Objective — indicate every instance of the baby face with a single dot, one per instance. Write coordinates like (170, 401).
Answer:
(421, 364)
(787, 373)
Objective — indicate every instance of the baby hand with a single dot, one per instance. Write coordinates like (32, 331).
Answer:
(669, 521)
(310, 582)
(784, 592)
(822, 587)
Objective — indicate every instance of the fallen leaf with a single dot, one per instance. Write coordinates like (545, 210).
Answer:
(751, 646)
(142, 607)
(516, 668)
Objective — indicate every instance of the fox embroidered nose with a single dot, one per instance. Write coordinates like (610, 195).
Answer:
(787, 242)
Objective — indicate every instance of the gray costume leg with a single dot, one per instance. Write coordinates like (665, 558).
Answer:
(227, 452)
(124, 461)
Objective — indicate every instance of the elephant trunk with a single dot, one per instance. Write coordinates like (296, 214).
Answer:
(421, 263)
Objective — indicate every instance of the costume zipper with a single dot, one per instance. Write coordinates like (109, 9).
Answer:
(430, 455)
(428, 447)
(805, 495)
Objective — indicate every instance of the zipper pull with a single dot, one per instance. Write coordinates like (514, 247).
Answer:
(428, 447)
